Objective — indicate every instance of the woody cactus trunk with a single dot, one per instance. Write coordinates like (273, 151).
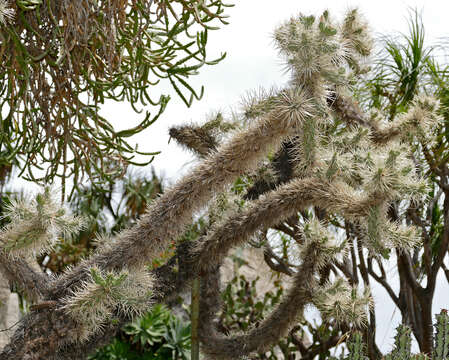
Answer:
(344, 163)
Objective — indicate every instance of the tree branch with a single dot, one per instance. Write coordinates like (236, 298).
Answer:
(382, 280)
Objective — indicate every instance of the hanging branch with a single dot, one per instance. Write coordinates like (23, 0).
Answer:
(61, 60)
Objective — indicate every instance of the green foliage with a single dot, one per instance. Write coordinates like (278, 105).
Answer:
(159, 335)
(61, 61)
(119, 350)
(402, 70)
(150, 329)
(35, 225)
(242, 308)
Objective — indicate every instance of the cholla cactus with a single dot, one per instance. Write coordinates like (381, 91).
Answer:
(36, 225)
(421, 119)
(106, 294)
(319, 239)
(340, 301)
(418, 122)
(314, 51)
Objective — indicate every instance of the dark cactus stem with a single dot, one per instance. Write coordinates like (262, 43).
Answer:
(195, 313)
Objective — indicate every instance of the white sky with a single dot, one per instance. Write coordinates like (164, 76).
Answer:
(251, 63)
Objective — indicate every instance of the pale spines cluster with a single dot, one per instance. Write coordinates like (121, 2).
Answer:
(257, 103)
(7, 13)
(36, 225)
(384, 172)
(350, 141)
(390, 175)
(422, 118)
(294, 106)
(419, 122)
(381, 234)
(318, 238)
(336, 299)
(355, 30)
(389, 172)
(105, 296)
(314, 50)
(194, 138)
(334, 163)
(202, 139)
(340, 301)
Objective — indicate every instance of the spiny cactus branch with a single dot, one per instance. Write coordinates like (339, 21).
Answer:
(168, 215)
(278, 323)
(33, 283)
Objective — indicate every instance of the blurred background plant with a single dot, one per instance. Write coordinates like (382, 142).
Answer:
(158, 335)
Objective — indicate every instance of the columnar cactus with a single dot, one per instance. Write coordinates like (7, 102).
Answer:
(356, 347)
(441, 350)
(403, 342)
